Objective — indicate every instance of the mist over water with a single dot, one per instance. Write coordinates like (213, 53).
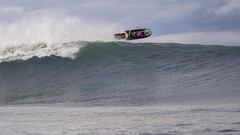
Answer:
(51, 28)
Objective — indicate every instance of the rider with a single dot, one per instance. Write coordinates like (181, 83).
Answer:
(139, 34)
(136, 34)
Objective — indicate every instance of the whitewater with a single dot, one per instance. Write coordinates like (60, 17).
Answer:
(116, 88)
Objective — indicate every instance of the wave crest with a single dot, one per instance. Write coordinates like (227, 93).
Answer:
(27, 51)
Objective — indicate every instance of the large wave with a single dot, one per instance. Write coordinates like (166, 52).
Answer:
(119, 73)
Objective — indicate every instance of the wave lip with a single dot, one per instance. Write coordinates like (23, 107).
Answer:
(27, 51)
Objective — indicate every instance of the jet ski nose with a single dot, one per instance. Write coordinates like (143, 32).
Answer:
(148, 32)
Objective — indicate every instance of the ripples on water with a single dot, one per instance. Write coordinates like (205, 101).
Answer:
(154, 120)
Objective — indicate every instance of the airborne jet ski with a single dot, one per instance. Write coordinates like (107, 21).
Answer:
(133, 34)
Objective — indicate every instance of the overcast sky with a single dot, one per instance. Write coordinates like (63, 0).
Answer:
(183, 21)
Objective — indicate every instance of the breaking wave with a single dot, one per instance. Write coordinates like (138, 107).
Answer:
(27, 51)
(118, 73)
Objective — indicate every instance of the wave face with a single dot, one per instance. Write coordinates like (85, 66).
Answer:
(119, 73)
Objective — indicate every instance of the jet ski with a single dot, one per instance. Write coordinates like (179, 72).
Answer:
(133, 34)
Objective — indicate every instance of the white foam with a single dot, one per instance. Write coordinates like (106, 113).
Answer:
(27, 51)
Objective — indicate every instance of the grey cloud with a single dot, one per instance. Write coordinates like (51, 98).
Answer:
(163, 16)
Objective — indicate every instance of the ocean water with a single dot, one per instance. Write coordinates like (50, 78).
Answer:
(137, 120)
(119, 88)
